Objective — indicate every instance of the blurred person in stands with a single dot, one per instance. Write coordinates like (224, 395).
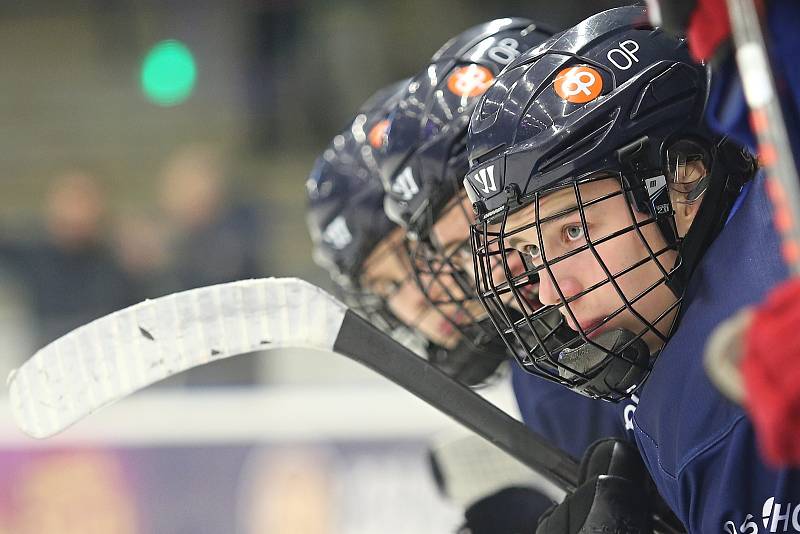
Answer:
(217, 237)
(69, 272)
(142, 250)
(89, 491)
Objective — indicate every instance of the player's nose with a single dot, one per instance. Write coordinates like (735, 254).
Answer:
(551, 289)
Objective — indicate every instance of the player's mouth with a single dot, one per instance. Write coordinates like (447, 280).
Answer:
(530, 293)
(446, 328)
(449, 324)
(590, 328)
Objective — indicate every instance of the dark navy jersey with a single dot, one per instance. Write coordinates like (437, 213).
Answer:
(567, 419)
(699, 447)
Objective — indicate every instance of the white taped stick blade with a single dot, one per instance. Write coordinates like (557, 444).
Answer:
(111, 357)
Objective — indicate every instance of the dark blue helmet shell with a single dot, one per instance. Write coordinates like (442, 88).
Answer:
(424, 159)
(566, 107)
(345, 196)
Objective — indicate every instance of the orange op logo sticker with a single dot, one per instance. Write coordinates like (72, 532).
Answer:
(578, 84)
(470, 80)
(377, 134)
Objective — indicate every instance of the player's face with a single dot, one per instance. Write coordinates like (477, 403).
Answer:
(451, 234)
(625, 258)
(387, 273)
(446, 272)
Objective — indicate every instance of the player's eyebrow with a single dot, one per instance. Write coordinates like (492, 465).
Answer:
(551, 216)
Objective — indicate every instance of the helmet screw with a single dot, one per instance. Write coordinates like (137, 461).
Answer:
(512, 192)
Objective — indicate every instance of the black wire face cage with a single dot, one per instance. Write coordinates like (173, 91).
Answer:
(372, 307)
(443, 274)
(372, 303)
(604, 357)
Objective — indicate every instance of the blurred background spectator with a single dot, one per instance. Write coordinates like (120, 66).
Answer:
(218, 236)
(68, 271)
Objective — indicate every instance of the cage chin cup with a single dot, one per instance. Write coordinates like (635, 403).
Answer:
(606, 373)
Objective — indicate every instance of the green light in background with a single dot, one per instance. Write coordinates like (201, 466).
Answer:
(168, 73)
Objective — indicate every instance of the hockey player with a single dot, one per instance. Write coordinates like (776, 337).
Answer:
(363, 252)
(422, 165)
(633, 219)
(422, 159)
(362, 249)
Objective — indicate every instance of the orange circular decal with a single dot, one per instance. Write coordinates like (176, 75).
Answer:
(470, 80)
(578, 84)
(377, 134)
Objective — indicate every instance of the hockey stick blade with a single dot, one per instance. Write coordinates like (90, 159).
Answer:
(116, 355)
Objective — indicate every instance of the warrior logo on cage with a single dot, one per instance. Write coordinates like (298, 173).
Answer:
(405, 186)
(337, 233)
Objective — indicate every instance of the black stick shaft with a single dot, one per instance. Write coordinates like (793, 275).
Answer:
(363, 342)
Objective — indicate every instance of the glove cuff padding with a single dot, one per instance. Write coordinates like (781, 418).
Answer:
(511, 510)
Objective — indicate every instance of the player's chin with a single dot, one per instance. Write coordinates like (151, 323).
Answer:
(445, 329)
(448, 341)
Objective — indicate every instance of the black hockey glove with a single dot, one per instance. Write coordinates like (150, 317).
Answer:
(615, 494)
(509, 511)
(496, 491)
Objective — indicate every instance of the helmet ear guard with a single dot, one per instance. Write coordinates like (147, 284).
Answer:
(646, 186)
(727, 169)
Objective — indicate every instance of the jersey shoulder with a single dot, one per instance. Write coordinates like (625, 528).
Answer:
(682, 419)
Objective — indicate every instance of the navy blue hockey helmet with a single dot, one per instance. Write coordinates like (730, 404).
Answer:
(425, 158)
(348, 225)
(345, 203)
(614, 98)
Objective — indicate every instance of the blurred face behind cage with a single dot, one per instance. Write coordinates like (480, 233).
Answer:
(443, 265)
(388, 273)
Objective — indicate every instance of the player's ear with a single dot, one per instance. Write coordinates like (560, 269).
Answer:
(686, 198)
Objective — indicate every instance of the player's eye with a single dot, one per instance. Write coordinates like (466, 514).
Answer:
(573, 232)
(385, 288)
(531, 251)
